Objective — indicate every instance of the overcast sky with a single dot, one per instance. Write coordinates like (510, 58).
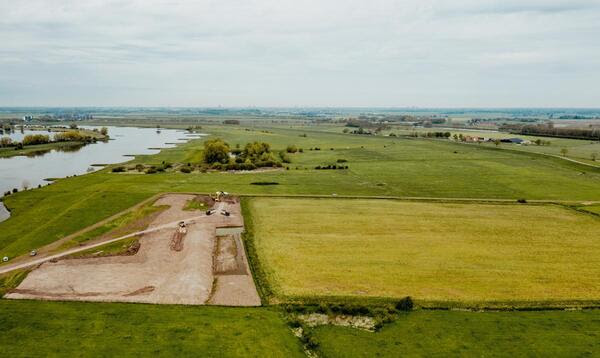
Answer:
(427, 53)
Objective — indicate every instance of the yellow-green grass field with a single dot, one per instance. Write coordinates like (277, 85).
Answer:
(437, 253)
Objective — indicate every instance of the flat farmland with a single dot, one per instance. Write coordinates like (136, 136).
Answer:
(80, 329)
(467, 253)
(470, 334)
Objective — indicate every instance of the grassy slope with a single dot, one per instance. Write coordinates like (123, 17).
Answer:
(33, 328)
(385, 166)
(125, 224)
(471, 334)
(466, 253)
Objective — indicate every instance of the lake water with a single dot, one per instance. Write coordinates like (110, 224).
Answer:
(16, 171)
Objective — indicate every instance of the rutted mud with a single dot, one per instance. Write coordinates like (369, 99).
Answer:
(172, 265)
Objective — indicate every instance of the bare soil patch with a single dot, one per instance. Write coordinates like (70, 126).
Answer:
(169, 265)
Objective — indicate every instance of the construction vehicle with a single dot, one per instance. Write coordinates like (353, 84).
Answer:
(220, 195)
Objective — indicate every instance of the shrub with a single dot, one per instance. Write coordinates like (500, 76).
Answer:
(284, 157)
(118, 169)
(151, 170)
(291, 149)
(32, 139)
(5, 142)
(522, 201)
(405, 304)
(186, 170)
(341, 160)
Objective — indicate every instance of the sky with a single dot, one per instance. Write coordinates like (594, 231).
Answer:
(287, 53)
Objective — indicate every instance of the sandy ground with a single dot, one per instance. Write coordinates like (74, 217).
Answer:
(156, 273)
(234, 285)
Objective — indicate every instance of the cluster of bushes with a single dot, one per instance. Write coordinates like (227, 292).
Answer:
(219, 156)
(541, 142)
(6, 142)
(73, 136)
(8, 192)
(382, 313)
(152, 169)
(32, 139)
(292, 149)
(331, 166)
(360, 130)
(35, 139)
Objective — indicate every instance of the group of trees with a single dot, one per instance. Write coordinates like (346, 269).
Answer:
(66, 136)
(549, 130)
(219, 155)
(73, 136)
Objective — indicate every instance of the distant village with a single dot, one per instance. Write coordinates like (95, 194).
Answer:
(58, 117)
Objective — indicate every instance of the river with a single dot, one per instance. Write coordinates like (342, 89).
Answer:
(19, 171)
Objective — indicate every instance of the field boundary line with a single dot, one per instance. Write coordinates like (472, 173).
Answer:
(423, 199)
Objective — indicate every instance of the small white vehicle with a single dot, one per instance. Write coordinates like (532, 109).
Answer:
(33, 253)
(5, 259)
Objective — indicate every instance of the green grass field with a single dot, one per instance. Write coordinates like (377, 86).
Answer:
(470, 334)
(577, 149)
(437, 253)
(378, 166)
(33, 328)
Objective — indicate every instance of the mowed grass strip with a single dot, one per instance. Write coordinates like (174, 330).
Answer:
(470, 334)
(37, 328)
(434, 252)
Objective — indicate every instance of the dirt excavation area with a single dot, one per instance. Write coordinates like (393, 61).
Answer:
(202, 261)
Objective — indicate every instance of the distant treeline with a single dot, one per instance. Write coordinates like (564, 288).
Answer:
(548, 130)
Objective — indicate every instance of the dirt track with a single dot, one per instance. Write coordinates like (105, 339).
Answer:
(156, 273)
